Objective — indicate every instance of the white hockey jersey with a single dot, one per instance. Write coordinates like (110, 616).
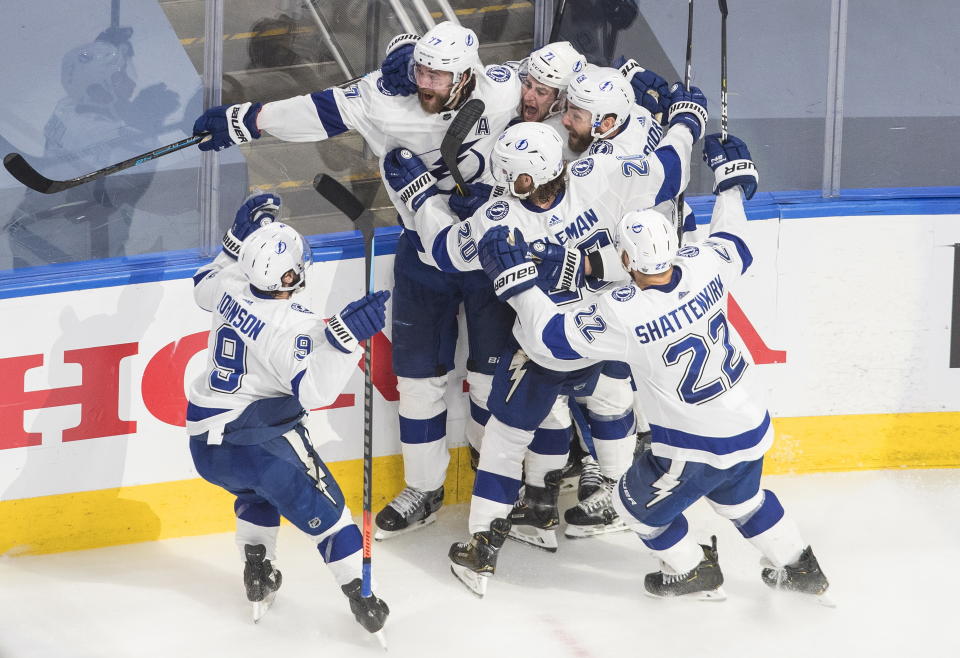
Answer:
(694, 375)
(387, 121)
(600, 190)
(259, 349)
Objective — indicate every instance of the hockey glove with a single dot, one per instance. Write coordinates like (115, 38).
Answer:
(688, 108)
(358, 321)
(258, 210)
(557, 268)
(395, 68)
(652, 91)
(477, 195)
(408, 176)
(731, 164)
(228, 125)
(504, 259)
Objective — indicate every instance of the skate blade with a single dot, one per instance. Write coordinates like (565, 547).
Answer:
(581, 531)
(543, 539)
(260, 607)
(380, 534)
(475, 582)
(714, 595)
(381, 638)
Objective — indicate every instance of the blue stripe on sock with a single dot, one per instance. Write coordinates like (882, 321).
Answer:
(344, 543)
(551, 442)
(498, 488)
(413, 430)
(610, 430)
(769, 514)
(669, 537)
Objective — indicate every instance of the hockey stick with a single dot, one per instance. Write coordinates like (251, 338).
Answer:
(686, 83)
(363, 219)
(20, 169)
(723, 70)
(459, 128)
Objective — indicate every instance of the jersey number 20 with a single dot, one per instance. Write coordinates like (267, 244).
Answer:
(691, 389)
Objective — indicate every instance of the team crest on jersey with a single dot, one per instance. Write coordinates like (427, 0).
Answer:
(383, 90)
(689, 251)
(601, 146)
(624, 293)
(582, 167)
(498, 210)
(498, 73)
(353, 91)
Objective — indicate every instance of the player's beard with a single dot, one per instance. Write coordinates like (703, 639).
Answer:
(578, 143)
(431, 101)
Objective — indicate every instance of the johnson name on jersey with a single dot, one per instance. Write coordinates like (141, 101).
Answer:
(261, 350)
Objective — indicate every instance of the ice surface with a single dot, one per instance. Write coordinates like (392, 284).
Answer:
(888, 541)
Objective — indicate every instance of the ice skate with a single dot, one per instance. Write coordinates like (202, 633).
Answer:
(370, 612)
(591, 479)
(260, 579)
(703, 582)
(475, 561)
(411, 509)
(595, 514)
(803, 576)
(535, 518)
(571, 471)
(643, 443)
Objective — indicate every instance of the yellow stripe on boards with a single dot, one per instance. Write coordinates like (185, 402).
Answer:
(91, 519)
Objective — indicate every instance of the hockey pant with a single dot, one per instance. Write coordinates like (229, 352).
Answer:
(424, 333)
(523, 396)
(654, 492)
(284, 476)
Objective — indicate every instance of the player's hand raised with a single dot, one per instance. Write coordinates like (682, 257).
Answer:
(688, 107)
(258, 210)
(731, 164)
(395, 69)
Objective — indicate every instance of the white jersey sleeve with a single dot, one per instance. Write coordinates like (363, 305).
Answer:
(727, 234)
(452, 245)
(317, 371)
(206, 280)
(323, 114)
(571, 333)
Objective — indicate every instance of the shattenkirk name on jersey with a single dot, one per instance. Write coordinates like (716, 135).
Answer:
(246, 322)
(686, 314)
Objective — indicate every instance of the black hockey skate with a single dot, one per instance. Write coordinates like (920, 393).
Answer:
(595, 514)
(703, 581)
(535, 518)
(804, 576)
(591, 480)
(370, 612)
(573, 467)
(643, 443)
(260, 579)
(475, 561)
(411, 509)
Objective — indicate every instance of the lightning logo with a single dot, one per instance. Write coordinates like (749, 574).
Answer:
(517, 371)
(439, 168)
(667, 483)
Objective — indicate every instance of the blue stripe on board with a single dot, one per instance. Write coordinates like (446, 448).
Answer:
(170, 265)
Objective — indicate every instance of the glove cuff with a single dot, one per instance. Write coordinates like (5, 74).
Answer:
(401, 40)
(515, 280)
(689, 113)
(231, 245)
(410, 194)
(732, 173)
(571, 270)
(630, 68)
(242, 122)
(340, 336)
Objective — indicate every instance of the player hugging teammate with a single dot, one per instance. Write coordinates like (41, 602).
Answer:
(575, 248)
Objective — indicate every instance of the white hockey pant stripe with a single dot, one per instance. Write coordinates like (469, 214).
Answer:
(424, 464)
(480, 386)
(612, 400)
(537, 465)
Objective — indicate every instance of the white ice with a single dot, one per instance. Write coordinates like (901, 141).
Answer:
(888, 541)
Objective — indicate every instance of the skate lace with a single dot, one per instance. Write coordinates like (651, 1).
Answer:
(599, 499)
(590, 476)
(670, 578)
(408, 500)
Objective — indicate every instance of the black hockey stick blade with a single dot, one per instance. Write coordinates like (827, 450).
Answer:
(20, 169)
(344, 201)
(460, 127)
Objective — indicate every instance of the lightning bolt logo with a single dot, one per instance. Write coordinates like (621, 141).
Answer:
(517, 371)
(669, 481)
(439, 168)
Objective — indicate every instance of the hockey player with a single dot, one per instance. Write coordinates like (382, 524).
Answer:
(268, 360)
(409, 103)
(709, 430)
(583, 212)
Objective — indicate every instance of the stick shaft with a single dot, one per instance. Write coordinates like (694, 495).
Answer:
(688, 74)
